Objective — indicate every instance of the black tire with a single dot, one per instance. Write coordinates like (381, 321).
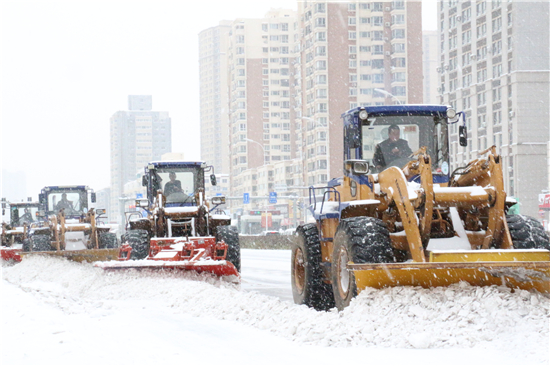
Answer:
(527, 233)
(27, 247)
(360, 240)
(108, 241)
(308, 285)
(40, 243)
(139, 241)
(230, 235)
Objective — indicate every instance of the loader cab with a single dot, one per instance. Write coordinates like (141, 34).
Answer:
(179, 182)
(385, 136)
(24, 213)
(72, 199)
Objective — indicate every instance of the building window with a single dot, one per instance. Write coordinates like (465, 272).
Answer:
(467, 80)
(378, 49)
(398, 19)
(481, 120)
(497, 24)
(481, 99)
(377, 64)
(480, 8)
(481, 30)
(399, 90)
(377, 21)
(497, 117)
(378, 78)
(398, 34)
(467, 36)
(497, 70)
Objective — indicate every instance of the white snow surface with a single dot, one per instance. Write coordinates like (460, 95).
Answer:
(57, 312)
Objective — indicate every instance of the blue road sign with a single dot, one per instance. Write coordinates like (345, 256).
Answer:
(139, 195)
(272, 197)
(246, 198)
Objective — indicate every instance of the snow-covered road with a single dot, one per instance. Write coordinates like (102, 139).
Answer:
(267, 272)
(56, 312)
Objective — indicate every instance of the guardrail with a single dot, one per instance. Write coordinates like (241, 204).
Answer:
(266, 242)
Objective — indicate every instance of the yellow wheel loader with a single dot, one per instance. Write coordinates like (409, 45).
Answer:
(15, 234)
(400, 217)
(67, 227)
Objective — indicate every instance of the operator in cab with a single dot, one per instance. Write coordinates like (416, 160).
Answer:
(64, 203)
(173, 186)
(391, 149)
(27, 217)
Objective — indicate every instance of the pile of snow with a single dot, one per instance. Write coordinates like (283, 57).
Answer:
(460, 316)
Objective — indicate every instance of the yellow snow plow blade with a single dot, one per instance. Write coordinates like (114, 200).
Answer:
(87, 255)
(521, 269)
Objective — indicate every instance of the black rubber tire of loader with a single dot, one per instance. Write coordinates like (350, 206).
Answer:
(139, 241)
(27, 247)
(308, 285)
(527, 232)
(230, 235)
(360, 240)
(108, 241)
(41, 243)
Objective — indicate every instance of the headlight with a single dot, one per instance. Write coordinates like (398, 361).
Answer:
(451, 113)
(363, 114)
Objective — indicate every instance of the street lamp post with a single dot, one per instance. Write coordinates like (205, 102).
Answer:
(263, 149)
(262, 146)
(382, 91)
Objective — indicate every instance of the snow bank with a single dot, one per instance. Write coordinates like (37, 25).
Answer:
(461, 316)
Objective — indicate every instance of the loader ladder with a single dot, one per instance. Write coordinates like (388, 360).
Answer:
(325, 212)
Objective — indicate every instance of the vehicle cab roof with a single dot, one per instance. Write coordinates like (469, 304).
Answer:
(177, 164)
(65, 188)
(402, 110)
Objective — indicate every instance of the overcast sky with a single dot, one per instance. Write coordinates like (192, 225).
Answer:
(68, 66)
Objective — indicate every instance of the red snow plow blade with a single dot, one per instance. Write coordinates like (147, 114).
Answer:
(11, 254)
(202, 254)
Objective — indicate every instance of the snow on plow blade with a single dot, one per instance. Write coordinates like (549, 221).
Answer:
(520, 269)
(218, 268)
(86, 255)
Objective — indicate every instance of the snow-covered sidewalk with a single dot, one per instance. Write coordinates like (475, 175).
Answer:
(59, 312)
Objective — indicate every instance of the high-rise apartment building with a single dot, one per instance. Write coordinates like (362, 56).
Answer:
(352, 54)
(494, 65)
(138, 136)
(291, 75)
(214, 96)
(261, 64)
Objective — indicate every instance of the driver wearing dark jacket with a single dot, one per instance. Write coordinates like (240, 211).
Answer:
(391, 149)
(173, 186)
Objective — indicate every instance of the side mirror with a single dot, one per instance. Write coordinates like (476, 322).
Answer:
(218, 200)
(213, 179)
(142, 203)
(100, 211)
(93, 197)
(463, 135)
(361, 167)
(42, 198)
